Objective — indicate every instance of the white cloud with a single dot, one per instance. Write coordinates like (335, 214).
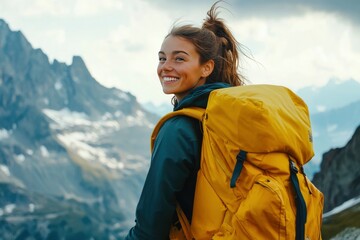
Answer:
(95, 7)
(129, 52)
(302, 50)
(119, 41)
(57, 35)
(43, 7)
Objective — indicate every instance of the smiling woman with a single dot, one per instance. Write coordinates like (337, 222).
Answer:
(192, 62)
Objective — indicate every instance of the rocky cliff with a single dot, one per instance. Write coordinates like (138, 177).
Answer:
(339, 177)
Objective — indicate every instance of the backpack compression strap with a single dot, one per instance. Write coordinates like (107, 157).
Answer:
(300, 203)
(240, 158)
(194, 112)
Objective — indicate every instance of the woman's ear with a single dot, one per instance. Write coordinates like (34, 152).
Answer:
(207, 68)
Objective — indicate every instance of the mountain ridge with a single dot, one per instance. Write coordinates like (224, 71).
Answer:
(70, 148)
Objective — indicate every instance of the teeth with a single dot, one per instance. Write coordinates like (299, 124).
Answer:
(169, 79)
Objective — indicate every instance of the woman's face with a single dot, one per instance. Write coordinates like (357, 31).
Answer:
(179, 68)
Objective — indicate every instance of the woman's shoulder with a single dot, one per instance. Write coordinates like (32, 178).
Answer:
(181, 122)
(181, 126)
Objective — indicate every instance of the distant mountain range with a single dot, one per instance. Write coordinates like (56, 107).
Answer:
(335, 94)
(74, 154)
(158, 109)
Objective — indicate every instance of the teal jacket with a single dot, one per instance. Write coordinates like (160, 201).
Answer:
(174, 164)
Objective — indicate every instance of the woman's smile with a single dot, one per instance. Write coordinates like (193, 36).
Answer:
(170, 79)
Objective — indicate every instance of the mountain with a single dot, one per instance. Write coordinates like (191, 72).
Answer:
(335, 94)
(159, 109)
(335, 127)
(73, 154)
(339, 181)
(339, 176)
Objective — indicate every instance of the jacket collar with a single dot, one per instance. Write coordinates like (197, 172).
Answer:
(198, 97)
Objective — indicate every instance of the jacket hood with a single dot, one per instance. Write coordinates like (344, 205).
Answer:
(198, 97)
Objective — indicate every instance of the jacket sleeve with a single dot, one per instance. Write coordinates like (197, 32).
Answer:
(176, 151)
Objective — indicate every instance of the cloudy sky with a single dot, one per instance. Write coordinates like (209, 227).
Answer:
(293, 43)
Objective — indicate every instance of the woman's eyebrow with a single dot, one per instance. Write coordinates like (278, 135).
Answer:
(180, 51)
(174, 52)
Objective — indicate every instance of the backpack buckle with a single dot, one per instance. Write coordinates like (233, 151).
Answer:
(293, 167)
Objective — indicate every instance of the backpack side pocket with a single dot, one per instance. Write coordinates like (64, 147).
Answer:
(262, 214)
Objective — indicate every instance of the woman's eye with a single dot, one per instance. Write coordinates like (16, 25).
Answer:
(162, 59)
(179, 59)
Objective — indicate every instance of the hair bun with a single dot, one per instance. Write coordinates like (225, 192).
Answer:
(224, 42)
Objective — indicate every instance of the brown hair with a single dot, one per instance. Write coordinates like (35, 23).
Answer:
(214, 41)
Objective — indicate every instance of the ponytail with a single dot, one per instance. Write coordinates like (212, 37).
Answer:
(227, 56)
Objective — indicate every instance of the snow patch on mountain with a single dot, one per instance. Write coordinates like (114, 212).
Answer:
(4, 134)
(342, 207)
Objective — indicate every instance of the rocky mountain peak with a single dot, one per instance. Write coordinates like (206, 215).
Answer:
(54, 85)
(4, 29)
(79, 70)
(339, 176)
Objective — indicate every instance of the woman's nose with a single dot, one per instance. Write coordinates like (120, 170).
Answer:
(166, 66)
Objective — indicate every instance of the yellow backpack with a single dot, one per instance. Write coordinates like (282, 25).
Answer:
(251, 183)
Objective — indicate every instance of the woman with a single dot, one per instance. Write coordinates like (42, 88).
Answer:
(192, 62)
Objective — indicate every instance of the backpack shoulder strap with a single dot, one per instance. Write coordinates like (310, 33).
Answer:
(197, 113)
(194, 112)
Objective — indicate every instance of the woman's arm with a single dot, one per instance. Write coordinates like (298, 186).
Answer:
(175, 153)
